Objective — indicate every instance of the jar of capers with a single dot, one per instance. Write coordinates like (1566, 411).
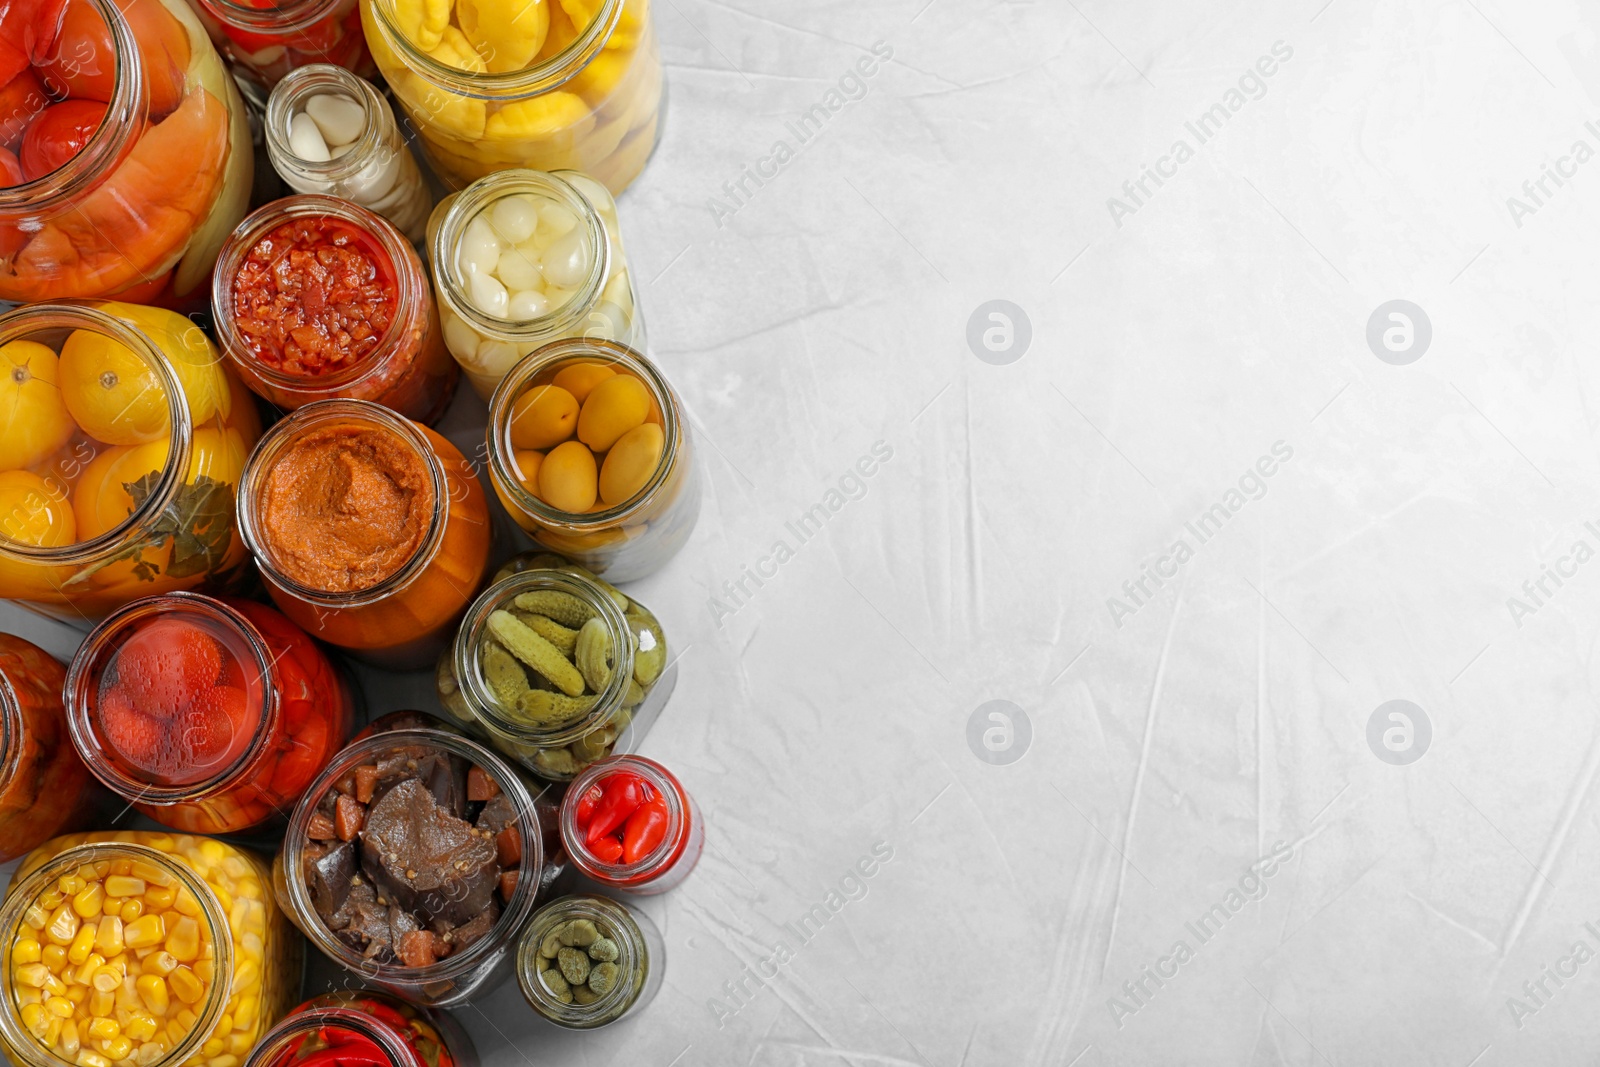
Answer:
(587, 961)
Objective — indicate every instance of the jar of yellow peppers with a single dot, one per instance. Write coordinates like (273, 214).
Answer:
(543, 84)
(141, 948)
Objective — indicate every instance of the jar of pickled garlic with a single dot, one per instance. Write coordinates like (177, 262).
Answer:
(371, 531)
(628, 824)
(111, 96)
(208, 716)
(546, 84)
(361, 1028)
(589, 451)
(265, 40)
(557, 668)
(587, 961)
(122, 439)
(522, 258)
(328, 131)
(44, 787)
(429, 917)
(315, 298)
(146, 948)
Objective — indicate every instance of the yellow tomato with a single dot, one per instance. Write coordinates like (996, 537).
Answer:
(34, 511)
(616, 406)
(567, 478)
(101, 499)
(111, 391)
(34, 420)
(630, 463)
(543, 417)
(194, 359)
(579, 379)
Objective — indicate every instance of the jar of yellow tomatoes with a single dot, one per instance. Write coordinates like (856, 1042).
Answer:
(146, 948)
(544, 84)
(122, 439)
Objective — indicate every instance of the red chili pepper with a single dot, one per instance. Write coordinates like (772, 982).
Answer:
(607, 850)
(586, 804)
(646, 829)
(621, 796)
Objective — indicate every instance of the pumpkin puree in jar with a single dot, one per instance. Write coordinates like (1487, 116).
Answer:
(345, 508)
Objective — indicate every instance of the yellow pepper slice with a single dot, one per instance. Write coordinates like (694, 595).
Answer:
(507, 34)
(541, 117)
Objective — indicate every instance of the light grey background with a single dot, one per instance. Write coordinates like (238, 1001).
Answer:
(1175, 744)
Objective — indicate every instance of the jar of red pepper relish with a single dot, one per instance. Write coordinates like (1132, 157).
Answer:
(361, 1028)
(209, 716)
(317, 298)
(628, 824)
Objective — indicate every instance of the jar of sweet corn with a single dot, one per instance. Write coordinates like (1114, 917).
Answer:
(144, 949)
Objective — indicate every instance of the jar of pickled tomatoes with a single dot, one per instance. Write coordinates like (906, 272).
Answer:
(263, 40)
(110, 96)
(137, 947)
(208, 716)
(122, 439)
(628, 824)
(371, 531)
(44, 787)
(547, 84)
(363, 1028)
(316, 298)
(522, 258)
(590, 453)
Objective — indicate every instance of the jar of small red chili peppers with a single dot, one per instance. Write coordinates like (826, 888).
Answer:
(628, 824)
(209, 716)
(316, 298)
(361, 1028)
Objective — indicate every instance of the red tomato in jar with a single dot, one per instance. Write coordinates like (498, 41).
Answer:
(58, 133)
(22, 98)
(24, 26)
(78, 62)
(10, 169)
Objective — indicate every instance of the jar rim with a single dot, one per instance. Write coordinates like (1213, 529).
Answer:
(305, 81)
(271, 1044)
(623, 876)
(280, 19)
(632, 948)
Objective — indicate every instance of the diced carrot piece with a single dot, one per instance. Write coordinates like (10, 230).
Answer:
(508, 843)
(320, 828)
(366, 782)
(416, 948)
(481, 785)
(349, 816)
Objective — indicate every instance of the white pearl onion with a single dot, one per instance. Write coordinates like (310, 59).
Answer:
(566, 261)
(461, 339)
(480, 248)
(555, 221)
(518, 271)
(515, 218)
(487, 294)
(339, 118)
(527, 304)
(306, 140)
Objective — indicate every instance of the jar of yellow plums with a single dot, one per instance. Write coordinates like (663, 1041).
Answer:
(542, 84)
(146, 948)
(122, 438)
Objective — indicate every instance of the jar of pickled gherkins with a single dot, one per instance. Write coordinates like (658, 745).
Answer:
(264, 40)
(328, 131)
(44, 787)
(371, 531)
(316, 298)
(587, 961)
(361, 1028)
(113, 95)
(208, 716)
(546, 84)
(147, 948)
(590, 453)
(557, 668)
(122, 439)
(522, 258)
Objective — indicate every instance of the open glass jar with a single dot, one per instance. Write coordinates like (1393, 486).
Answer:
(522, 258)
(590, 453)
(315, 298)
(433, 917)
(371, 531)
(557, 669)
(173, 937)
(628, 824)
(549, 84)
(586, 961)
(208, 716)
(328, 131)
(264, 40)
(111, 220)
(364, 1029)
(123, 435)
(44, 787)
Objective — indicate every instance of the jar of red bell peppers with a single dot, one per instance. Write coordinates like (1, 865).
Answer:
(209, 716)
(628, 824)
(363, 1028)
(315, 297)
(263, 40)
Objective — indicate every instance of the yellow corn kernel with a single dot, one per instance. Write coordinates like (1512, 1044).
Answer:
(108, 979)
(140, 1026)
(185, 986)
(176, 1031)
(186, 904)
(212, 1047)
(119, 1048)
(69, 1038)
(60, 1007)
(213, 852)
(153, 991)
(224, 1061)
(92, 1059)
(161, 963)
(244, 1016)
(84, 975)
(52, 1027)
(70, 884)
(186, 1018)
(87, 901)
(122, 866)
(54, 956)
(250, 889)
(33, 974)
(77, 994)
(240, 1042)
(225, 1023)
(131, 910)
(25, 951)
(150, 873)
(160, 897)
(206, 969)
(101, 1003)
(51, 899)
(35, 917)
(144, 932)
(110, 907)
(184, 941)
(28, 995)
(123, 885)
(108, 936)
(82, 944)
(55, 986)
(33, 1016)
(104, 1029)
(63, 925)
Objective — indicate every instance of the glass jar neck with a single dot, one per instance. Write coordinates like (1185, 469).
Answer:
(281, 1044)
(661, 859)
(632, 957)
(279, 19)
(289, 98)
(11, 730)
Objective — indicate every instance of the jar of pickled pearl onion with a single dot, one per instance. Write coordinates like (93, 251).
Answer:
(522, 258)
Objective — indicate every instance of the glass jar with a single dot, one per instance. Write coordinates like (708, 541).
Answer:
(346, 884)
(358, 1028)
(553, 731)
(522, 258)
(207, 716)
(172, 937)
(315, 298)
(371, 531)
(44, 787)
(362, 157)
(264, 41)
(123, 435)
(620, 504)
(659, 820)
(557, 85)
(112, 220)
(620, 951)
